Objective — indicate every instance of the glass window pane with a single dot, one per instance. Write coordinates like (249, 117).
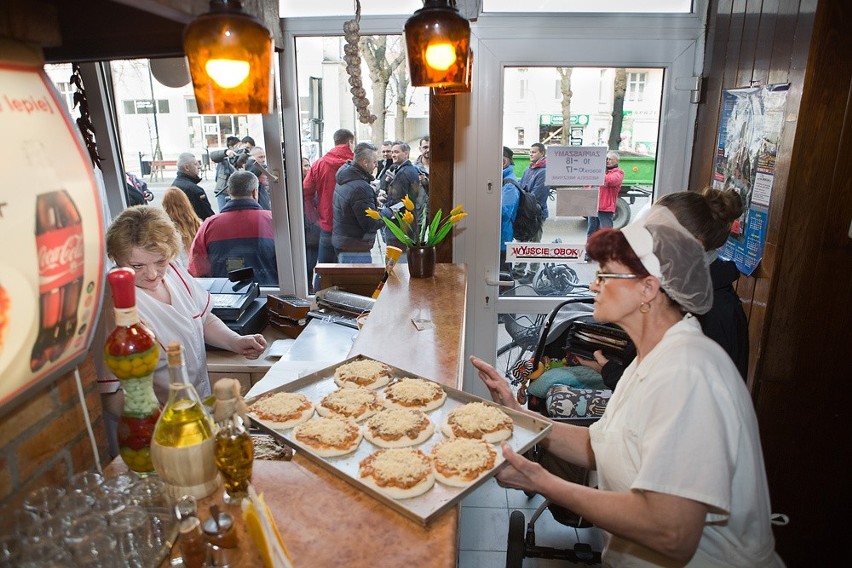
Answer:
(326, 105)
(588, 96)
(300, 9)
(589, 6)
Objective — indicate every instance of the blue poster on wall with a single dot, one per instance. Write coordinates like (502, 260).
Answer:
(749, 133)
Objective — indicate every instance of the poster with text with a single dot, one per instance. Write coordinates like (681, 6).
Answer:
(51, 226)
(574, 166)
(749, 133)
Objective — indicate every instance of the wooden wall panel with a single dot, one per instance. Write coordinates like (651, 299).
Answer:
(442, 120)
(799, 301)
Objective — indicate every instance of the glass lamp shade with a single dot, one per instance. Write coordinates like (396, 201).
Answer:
(458, 89)
(438, 43)
(230, 60)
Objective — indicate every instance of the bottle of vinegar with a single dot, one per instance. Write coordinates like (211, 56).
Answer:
(182, 447)
(234, 451)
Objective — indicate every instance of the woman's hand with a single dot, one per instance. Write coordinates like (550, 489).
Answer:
(250, 346)
(597, 365)
(520, 473)
(499, 388)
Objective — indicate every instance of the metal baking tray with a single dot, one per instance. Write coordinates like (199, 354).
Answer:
(528, 430)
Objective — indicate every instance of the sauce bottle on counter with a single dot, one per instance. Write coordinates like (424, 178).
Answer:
(193, 546)
(182, 446)
(234, 449)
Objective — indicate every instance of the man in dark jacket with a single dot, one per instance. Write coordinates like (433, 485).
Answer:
(353, 194)
(225, 166)
(187, 181)
(533, 181)
(241, 236)
(404, 180)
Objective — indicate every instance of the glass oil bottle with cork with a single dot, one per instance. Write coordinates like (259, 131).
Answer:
(234, 449)
(183, 442)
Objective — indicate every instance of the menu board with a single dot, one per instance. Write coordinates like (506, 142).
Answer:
(51, 227)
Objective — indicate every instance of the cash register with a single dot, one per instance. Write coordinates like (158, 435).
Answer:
(236, 301)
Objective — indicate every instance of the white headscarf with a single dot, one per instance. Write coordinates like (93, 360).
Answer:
(673, 256)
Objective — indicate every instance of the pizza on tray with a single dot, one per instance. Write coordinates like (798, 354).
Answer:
(282, 410)
(363, 373)
(414, 393)
(398, 428)
(329, 437)
(357, 403)
(461, 461)
(478, 420)
(399, 473)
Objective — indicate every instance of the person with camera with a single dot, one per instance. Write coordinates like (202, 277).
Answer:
(226, 164)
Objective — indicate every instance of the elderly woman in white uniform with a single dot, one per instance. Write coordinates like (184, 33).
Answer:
(170, 303)
(677, 451)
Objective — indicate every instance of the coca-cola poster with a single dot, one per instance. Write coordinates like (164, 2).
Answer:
(52, 234)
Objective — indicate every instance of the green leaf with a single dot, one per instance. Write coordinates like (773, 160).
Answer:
(442, 232)
(398, 233)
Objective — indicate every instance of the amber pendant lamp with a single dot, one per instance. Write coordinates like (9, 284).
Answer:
(438, 40)
(230, 60)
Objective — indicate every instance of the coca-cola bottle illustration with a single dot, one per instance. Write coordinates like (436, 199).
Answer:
(59, 244)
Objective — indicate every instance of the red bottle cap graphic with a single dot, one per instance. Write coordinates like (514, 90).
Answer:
(123, 284)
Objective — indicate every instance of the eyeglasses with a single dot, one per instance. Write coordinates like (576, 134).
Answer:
(601, 277)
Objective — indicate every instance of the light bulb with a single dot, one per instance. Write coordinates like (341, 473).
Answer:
(227, 73)
(440, 56)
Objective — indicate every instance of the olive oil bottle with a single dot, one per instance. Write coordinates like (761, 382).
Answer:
(234, 449)
(182, 446)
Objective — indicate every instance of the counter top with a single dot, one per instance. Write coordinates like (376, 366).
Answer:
(390, 335)
(327, 522)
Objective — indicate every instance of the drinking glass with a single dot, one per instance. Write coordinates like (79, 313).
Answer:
(80, 528)
(43, 554)
(150, 492)
(132, 530)
(87, 482)
(108, 504)
(74, 505)
(42, 502)
(119, 484)
(97, 550)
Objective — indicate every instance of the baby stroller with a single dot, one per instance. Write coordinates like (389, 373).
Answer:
(564, 334)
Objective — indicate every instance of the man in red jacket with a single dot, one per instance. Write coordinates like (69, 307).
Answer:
(318, 191)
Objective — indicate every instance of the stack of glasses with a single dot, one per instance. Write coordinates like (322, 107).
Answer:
(97, 522)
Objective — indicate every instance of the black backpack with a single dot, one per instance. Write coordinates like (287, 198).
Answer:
(530, 217)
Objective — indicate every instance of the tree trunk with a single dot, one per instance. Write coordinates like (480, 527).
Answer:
(375, 51)
(619, 86)
(401, 77)
(565, 87)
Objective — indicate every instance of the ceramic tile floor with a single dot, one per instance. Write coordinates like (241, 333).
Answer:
(484, 530)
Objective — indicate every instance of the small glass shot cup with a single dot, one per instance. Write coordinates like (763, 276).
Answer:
(88, 482)
(97, 550)
(42, 502)
(132, 530)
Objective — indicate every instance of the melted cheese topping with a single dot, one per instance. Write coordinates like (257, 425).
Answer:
(394, 423)
(414, 392)
(362, 371)
(334, 432)
(352, 403)
(477, 418)
(281, 406)
(397, 467)
(464, 457)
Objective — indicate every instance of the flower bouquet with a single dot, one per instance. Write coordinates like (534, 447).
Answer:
(419, 233)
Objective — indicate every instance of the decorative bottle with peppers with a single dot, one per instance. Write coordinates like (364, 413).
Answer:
(131, 352)
(182, 448)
